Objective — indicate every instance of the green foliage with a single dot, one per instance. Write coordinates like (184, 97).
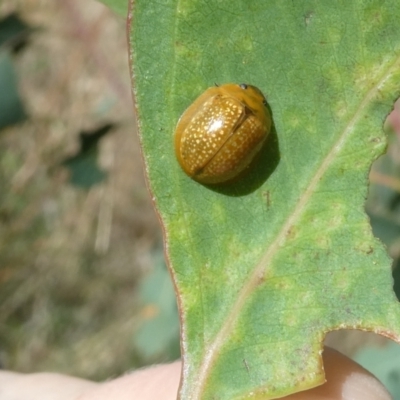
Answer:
(384, 196)
(11, 107)
(83, 167)
(266, 266)
(13, 34)
(120, 7)
(384, 364)
(159, 330)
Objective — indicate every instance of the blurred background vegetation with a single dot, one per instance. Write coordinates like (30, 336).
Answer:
(83, 285)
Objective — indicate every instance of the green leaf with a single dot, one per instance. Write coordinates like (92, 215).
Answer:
(13, 32)
(11, 107)
(158, 333)
(384, 364)
(120, 7)
(265, 266)
(83, 166)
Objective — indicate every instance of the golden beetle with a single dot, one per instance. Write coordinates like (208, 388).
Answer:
(218, 135)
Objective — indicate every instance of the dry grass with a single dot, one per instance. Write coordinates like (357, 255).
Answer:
(70, 259)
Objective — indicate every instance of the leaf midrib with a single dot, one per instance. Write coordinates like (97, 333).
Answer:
(258, 274)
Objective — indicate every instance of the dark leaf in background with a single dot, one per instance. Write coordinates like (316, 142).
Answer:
(13, 37)
(14, 32)
(383, 203)
(158, 335)
(83, 166)
(383, 362)
(385, 221)
(11, 107)
(396, 276)
(89, 139)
